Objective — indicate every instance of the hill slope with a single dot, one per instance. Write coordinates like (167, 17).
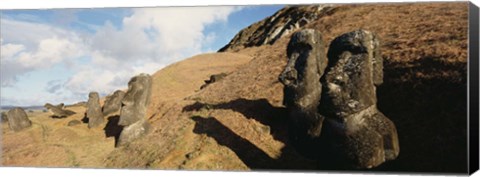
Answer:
(238, 123)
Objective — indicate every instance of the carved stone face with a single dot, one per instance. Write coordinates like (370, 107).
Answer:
(299, 50)
(305, 66)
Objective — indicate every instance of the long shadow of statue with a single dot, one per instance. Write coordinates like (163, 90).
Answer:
(250, 154)
(260, 110)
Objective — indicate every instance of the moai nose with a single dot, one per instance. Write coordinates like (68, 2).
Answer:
(288, 76)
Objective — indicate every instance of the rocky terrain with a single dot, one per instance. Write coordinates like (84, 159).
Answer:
(239, 122)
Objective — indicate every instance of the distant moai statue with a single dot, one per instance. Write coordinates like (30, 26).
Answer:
(113, 103)
(302, 91)
(332, 104)
(94, 111)
(133, 112)
(4, 118)
(18, 119)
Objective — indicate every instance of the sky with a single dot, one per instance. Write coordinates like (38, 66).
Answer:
(60, 55)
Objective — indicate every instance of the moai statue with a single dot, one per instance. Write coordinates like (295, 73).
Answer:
(113, 103)
(18, 119)
(133, 112)
(94, 111)
(357, 134)
(302, 91)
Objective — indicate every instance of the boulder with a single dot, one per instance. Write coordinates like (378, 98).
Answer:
(133, 112)
(58, 111)
(113, 103)
(73, 123)
(359, 135)
(94, 111)
(18, 119)
(301, 78)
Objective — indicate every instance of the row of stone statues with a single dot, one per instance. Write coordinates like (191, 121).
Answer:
(332, 102)
(131, 106)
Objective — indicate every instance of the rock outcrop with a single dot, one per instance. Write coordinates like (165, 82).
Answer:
(113, 103)
(133, 112)
(18, 119)
(360, 136)
(280, 24)
(302, 91)
(58, 111)
(213, 78)
(94, 111)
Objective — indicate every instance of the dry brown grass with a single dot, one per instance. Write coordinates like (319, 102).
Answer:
(239, 123)
(51, 143)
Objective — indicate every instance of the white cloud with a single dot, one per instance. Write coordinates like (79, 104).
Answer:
(147, 40)
(28, 46)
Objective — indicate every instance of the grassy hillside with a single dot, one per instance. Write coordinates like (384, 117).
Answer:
(238, 123)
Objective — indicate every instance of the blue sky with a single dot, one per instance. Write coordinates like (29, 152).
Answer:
(61, 55)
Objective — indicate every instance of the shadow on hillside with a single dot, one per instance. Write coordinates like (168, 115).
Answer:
(260, 110)
(427, 101)
(112, 129)
(250, 154)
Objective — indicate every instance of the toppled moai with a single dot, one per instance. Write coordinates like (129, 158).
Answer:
(94, 111)
(302, 91)
(113, 103)
(133, 112)
(354, 133)
(58, 111)
(213, 78)
(18, 119)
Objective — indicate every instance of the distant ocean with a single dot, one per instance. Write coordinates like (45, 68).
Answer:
(35, 108)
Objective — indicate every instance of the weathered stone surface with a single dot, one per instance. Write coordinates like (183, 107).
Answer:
(301, 77)
(94, 111)
(18, 119)
(58, 111)
(73, 123)
(135, 103)
(132, 132)
(359, 134)
(113, 103)
(213, 78)
(4, 117)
